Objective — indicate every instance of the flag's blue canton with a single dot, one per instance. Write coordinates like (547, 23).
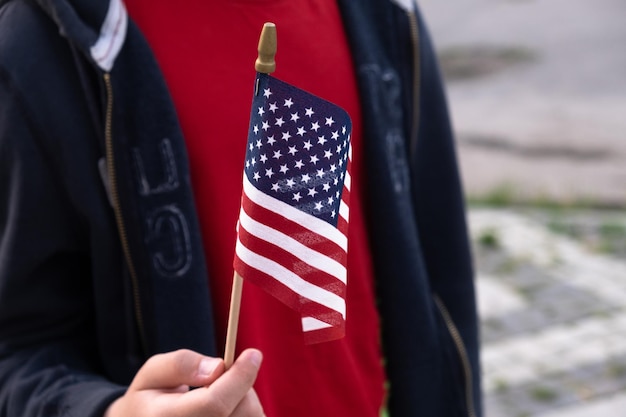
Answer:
(298, 148)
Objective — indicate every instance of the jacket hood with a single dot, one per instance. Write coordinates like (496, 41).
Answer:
(96, 27)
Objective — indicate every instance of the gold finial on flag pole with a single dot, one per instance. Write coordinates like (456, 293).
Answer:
(264, 64)
(267, 49)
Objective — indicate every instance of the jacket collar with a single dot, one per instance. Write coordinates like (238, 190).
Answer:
(407, 5)
(97, 28)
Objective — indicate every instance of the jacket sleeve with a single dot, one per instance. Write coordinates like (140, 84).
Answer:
(49, 362)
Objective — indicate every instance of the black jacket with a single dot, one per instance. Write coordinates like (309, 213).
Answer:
(101, 262)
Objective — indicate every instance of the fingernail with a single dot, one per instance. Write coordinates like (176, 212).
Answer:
(255, 357)
(207, 366)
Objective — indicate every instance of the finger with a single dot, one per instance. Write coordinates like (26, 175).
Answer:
(233, 386)
(250, 406)
(227, 392)
(198, 403)
(222, 396)
(173, 369)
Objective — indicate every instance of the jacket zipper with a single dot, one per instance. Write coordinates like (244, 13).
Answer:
(460, 347)
(416, 80)
(115, 200)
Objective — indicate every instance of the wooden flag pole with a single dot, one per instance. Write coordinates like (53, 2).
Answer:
(233, 320)
(265, 64)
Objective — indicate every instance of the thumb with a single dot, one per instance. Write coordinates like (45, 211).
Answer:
(173, 369)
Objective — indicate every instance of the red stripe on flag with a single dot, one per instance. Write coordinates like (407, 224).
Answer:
(325, 335)
(342, 224)
(298, 266)
(302, 234)
(301, 304)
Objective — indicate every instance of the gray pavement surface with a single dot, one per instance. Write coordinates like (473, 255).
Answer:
(537, 92)
(551, 291)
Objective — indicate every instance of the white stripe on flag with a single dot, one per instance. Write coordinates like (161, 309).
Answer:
(306, 254)
(344, 211)
(305, 220)
(291, 280)
(310, 324)
(348, 181)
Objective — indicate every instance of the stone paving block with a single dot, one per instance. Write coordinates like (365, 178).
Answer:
(561, 340)
(610, 406)
(495, 298)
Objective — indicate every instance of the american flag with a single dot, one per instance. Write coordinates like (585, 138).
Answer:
(292, 232)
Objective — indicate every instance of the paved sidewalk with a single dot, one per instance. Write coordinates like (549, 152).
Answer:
(553, 313)
(537, 94)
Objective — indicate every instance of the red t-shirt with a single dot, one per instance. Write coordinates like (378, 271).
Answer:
(206, 50)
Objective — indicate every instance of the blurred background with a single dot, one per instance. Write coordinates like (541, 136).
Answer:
(537, 93)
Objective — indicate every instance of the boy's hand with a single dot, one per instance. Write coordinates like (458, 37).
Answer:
(161, 387)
